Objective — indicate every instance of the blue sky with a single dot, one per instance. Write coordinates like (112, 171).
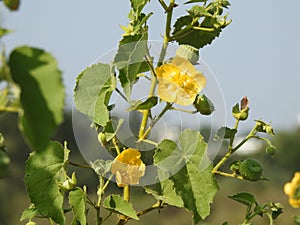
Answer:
(257, 55)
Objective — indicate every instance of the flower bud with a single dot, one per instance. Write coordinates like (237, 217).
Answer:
(261, 126)
(189, 53)
(69, 183)
(204, 105)
(102, 138)
(241, 112)
(271, 150)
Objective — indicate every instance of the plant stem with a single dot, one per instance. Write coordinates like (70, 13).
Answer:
(165, 109)
(100, 190)
(221, 162)
(229, 152)
(149, 142)
(250, 135)
(9, 109)
(157, 205)
(121, 94)
(79, 165)
(184, 110)
(114, 140)
(100, 194)
(147, 111)
(126, 197)
(51, 221)
(233, 175)
(163, 4)
(163, 51)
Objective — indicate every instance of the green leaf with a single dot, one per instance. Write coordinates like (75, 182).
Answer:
(42, 93)
(244, 198)
(225, 3)
(236, 109)
(194, 182)
(93, 90)
(111, 130)
(130, 60)
(138, 5)
(29, 213)
(101, 166)
(225, 133)
(147, 104)
(116, 203)
(137, 25)
(297, 219)
(4, 32)
(198, 11)
(77, 199)
(44, 170)
(195, 38)
(165, 192)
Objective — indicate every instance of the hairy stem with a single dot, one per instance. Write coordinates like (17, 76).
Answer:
(79, 165)
(163, 51)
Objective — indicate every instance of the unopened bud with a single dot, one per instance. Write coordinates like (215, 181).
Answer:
(204, 105)
(271, 150)
(189, 53)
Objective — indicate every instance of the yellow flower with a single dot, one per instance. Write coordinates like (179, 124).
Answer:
(128, 167)
(292, 189)
(179, 81)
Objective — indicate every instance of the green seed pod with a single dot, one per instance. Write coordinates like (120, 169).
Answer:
(189, 53)
(271, 150)
(251, 170)
(203, 105)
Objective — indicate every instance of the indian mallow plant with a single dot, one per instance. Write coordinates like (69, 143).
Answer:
(178, 172)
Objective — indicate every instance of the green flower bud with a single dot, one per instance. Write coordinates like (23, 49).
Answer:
(271, 150)
(251, 170)
(12, 4)
(204, 105)
(69, 183)
(189, 53)
(102, 138)
(264, 127)
(241, 113)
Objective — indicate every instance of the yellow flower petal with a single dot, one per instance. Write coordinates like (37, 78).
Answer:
(128, 167)
(294, 203)
(291, 189)
(179, 81)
